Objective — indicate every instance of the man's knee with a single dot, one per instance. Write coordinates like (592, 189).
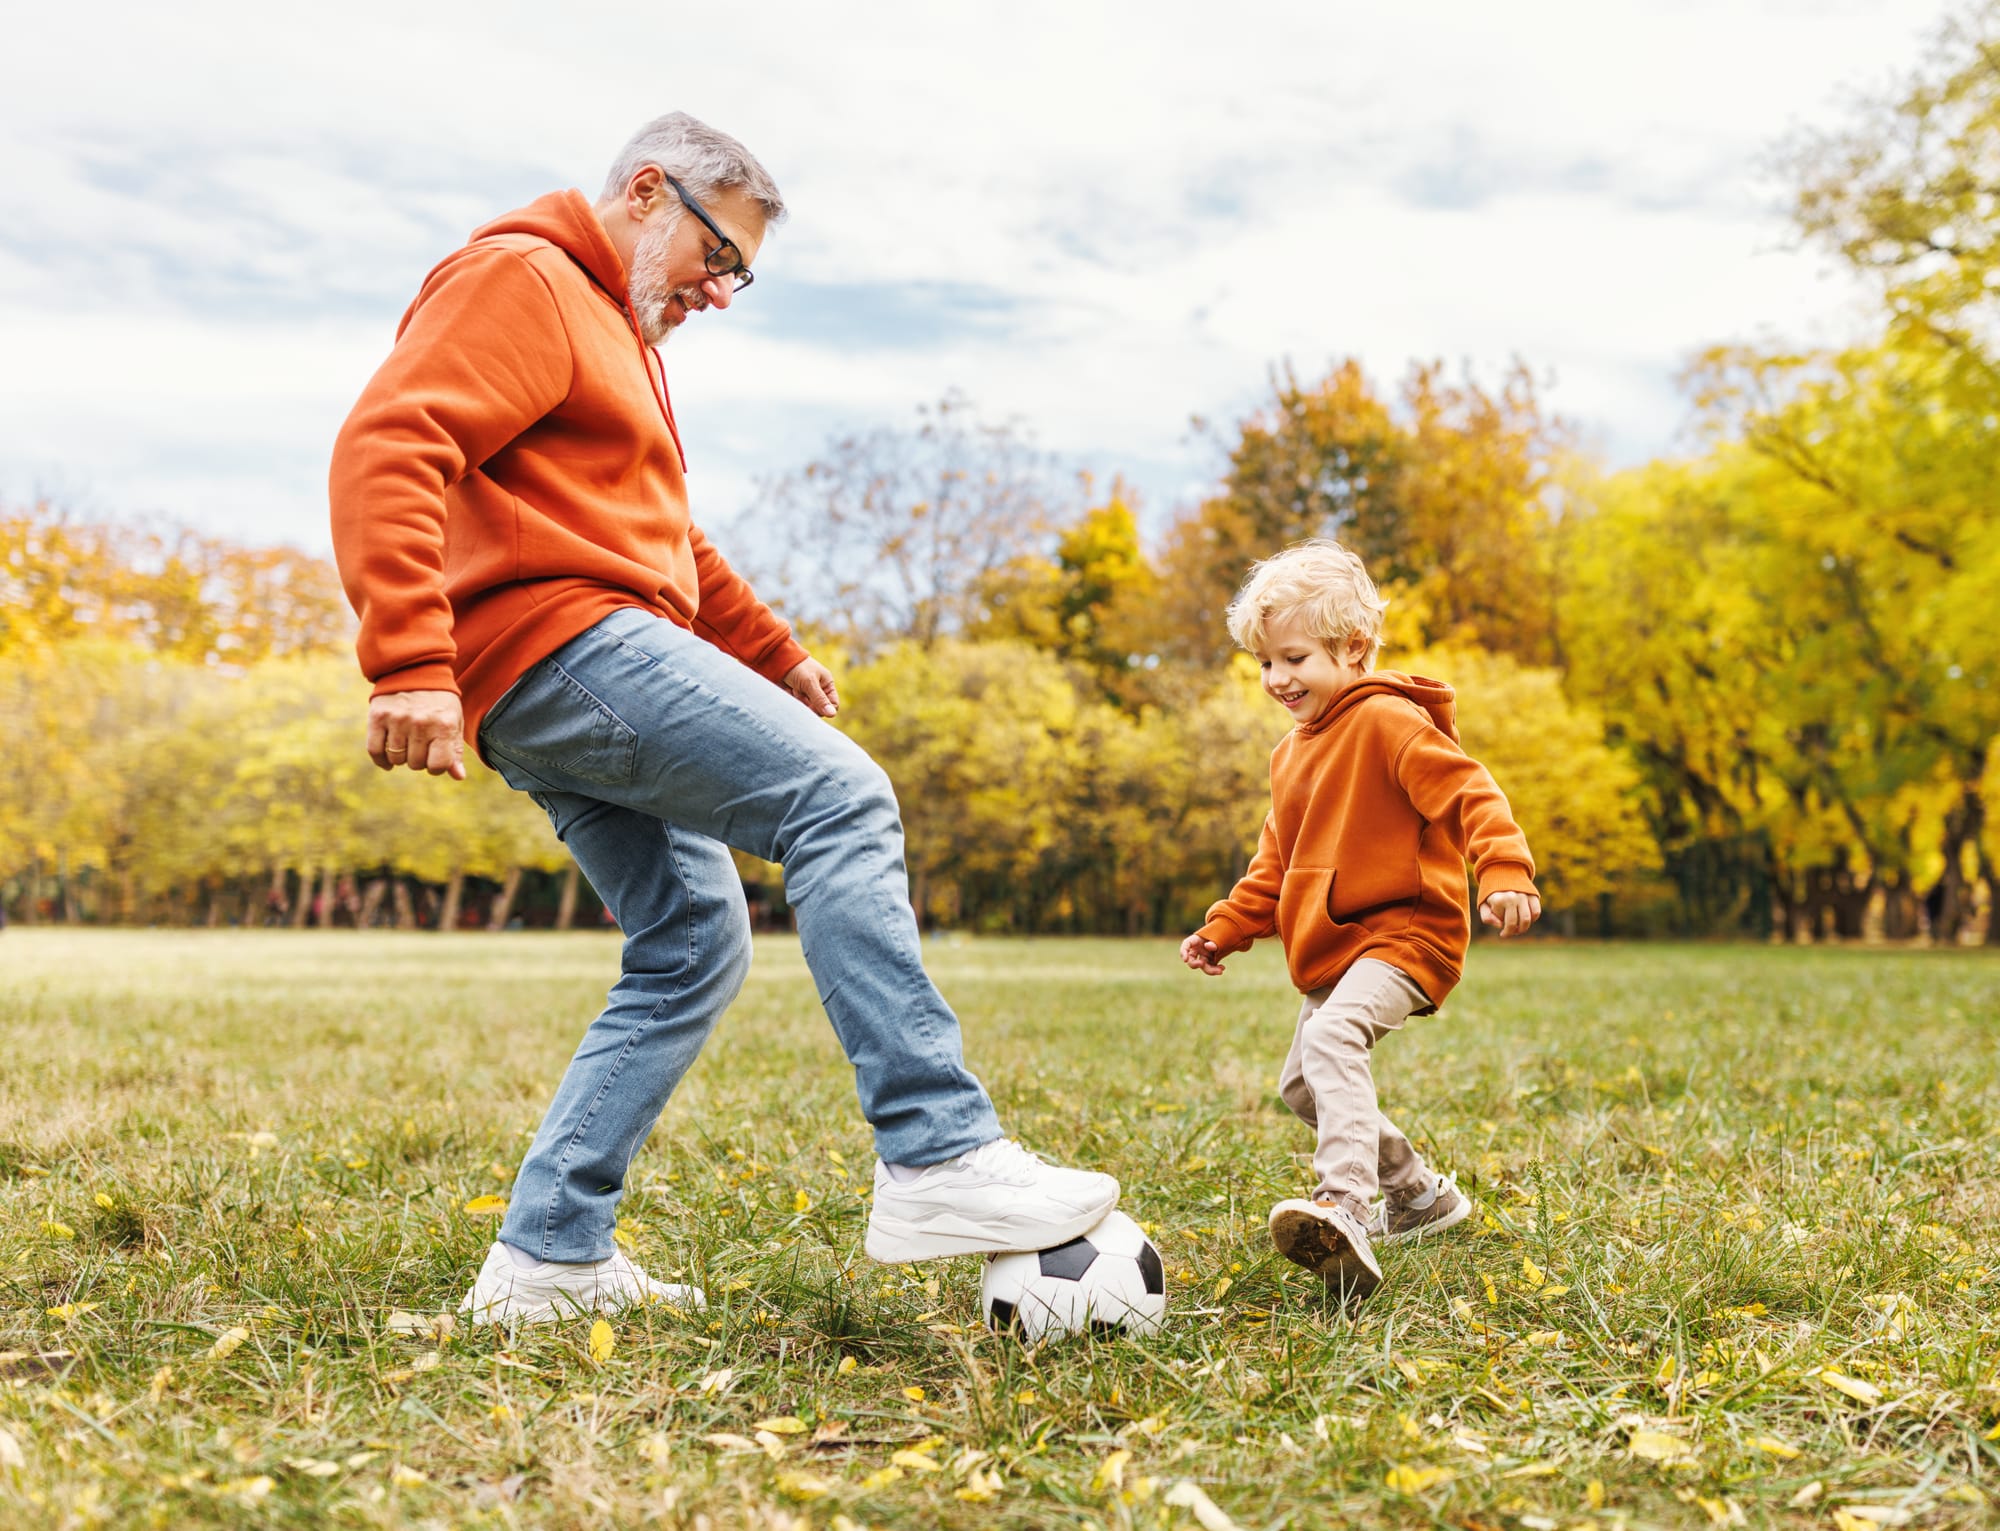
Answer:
(732, 946)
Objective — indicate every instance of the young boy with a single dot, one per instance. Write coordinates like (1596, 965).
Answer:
(1360, 871)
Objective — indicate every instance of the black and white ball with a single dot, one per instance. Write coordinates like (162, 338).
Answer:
(1109, 1280)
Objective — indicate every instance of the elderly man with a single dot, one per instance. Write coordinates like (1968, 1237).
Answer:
(511, 521)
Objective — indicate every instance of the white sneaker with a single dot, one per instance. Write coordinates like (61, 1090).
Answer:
(995, 1199)
(505, 1292)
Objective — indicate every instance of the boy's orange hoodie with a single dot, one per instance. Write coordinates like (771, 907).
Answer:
(1374, 812)
(512, 474)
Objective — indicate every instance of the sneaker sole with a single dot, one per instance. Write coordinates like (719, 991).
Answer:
(504, 1309)
(1451, 1219)
(1319, 1246)
(893, 1241)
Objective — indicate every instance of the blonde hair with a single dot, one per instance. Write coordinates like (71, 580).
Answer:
(1319, 581)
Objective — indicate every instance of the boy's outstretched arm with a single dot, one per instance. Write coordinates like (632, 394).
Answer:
(1460, 796)
(1249, 913)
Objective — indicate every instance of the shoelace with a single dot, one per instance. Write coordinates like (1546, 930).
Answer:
(1004, 1159)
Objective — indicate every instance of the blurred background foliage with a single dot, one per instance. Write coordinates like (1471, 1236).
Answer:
(1753, 689)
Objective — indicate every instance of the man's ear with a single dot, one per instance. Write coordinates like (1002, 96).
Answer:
(642, 192)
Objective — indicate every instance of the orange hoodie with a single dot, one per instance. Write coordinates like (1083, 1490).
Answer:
(1374, 812)
(512, 474)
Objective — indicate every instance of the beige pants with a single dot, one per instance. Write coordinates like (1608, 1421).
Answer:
(1327, 1082)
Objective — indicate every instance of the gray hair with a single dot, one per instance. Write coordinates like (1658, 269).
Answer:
(701, 159)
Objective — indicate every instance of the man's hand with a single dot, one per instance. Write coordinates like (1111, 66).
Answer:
(812, 683)
(1200, 955)
(1511, 913)
(424, 730)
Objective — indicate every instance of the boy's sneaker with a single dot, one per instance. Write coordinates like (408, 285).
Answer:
(1329, 1241)
(995, 1199)
(506, 1292)
(1400, 1223)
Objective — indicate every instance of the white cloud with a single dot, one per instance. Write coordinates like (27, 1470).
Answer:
(211, 215)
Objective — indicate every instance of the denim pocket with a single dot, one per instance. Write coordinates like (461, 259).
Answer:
(552, 722)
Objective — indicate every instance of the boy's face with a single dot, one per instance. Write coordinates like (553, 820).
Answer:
(1300, 673)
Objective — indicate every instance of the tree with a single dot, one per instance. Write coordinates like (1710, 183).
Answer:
(891, 535)
(1447, 496)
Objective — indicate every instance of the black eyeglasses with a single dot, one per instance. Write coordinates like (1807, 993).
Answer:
(725, 259)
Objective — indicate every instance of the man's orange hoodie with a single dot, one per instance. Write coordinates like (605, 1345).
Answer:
(1374, 812)
(512, 474)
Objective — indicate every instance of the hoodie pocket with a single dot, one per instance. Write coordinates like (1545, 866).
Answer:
(1305, 900)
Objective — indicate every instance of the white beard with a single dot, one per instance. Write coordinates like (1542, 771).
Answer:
(652, 298)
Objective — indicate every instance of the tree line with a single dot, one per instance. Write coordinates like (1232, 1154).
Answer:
(1753, 687)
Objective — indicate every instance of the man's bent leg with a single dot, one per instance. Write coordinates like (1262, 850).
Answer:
(677, 897)
(643, 714)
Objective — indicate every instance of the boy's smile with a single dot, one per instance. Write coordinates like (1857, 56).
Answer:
(1300, 673)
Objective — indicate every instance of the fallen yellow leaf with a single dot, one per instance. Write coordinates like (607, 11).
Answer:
(847, 1364)
(602, 1342)
(1531, 1272)
(1414, 1480)
(1853, 1387)
(1110, 1472)
(915, 1461)
(783, 1424)
(914, 1394)
(725, 1441)
(312, 1467)
(804, 1485)
(486, 1206)
(801, 1202)
(1776, 1448)
(882, 1477)
(1657, 1446)
(225, 1345)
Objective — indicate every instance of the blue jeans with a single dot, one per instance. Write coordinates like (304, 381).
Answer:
(652, 750)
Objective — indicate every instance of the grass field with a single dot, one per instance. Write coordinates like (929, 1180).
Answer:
(1734, 1262)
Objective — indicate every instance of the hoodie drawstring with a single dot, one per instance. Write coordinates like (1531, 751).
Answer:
(656, 378)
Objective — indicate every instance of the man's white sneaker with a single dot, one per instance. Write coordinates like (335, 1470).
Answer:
(505, 1292)
(995, 1199)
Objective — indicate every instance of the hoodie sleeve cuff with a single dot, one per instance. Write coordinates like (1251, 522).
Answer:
(1506, 877)
(1227, 935)
(781, 661)
(435, 676)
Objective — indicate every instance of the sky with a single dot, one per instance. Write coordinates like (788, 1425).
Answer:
(1095, 221)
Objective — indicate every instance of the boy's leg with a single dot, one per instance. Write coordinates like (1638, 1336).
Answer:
(643, 715)
(1356, 1142)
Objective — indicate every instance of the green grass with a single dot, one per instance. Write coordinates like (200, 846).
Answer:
(1707, 1177)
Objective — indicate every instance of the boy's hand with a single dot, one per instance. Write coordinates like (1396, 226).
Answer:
(1510, 913)
(1200, 955)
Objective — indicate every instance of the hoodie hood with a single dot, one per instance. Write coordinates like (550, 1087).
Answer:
(1434, 696)
(566, 221)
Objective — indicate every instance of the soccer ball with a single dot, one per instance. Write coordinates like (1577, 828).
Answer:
(1108, 1280)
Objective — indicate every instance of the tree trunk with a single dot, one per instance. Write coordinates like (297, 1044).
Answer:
(31, 900)
(454, 896)
(406, 913)
(371, 903)
(1899, 907)
(1989, 874)
(503, 906)
(302, 909)
(322, 901)
(566, 904)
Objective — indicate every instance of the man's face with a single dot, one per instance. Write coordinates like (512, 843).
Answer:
(1299, 671)
(670, 278)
